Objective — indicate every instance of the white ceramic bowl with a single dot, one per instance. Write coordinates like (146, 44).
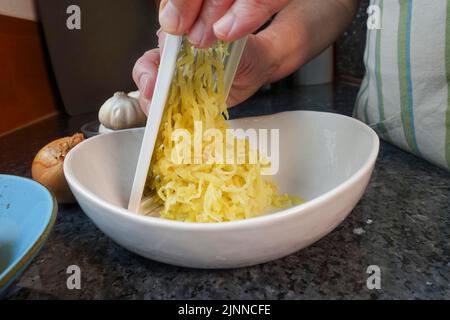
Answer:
(325, 158)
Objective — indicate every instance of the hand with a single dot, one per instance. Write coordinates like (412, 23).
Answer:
(205, 21)
(295, 36)
(254, 70)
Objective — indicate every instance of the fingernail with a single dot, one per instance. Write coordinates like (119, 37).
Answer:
(197, 33)
(169, 17)
(143, 84)
(224, 26)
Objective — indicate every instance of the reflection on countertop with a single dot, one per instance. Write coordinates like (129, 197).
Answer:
(402, 225)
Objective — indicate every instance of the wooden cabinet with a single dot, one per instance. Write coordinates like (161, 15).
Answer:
(26, 91)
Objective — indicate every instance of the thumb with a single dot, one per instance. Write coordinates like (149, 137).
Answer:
(144, 75)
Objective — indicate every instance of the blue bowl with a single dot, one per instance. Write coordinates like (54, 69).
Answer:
(27, 214)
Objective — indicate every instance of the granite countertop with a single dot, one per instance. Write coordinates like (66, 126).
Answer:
(402, 224)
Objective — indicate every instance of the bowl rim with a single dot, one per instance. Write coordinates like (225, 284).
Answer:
(13, 270)
(239, 224)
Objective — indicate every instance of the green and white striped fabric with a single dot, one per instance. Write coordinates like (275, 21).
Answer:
(405, 94)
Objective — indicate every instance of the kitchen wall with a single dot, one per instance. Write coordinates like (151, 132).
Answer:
(27, 93)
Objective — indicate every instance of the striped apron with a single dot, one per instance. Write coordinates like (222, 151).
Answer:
(405, 94)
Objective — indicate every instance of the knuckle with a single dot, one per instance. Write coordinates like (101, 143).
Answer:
(150, 57)
(217, 4)
(265, 7)
(214, 9)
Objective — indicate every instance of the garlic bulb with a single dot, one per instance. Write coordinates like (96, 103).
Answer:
(121, 112)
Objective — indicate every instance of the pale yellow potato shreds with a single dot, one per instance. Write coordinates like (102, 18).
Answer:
(198, 191)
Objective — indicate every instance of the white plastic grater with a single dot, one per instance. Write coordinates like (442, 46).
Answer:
(172, 46)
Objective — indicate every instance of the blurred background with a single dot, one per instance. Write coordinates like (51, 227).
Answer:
(48, 69)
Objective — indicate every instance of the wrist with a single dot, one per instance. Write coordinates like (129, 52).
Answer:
(268, 60)
(285, 47)
(255, 70)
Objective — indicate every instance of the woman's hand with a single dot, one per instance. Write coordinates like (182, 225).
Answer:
(254, 71)
(300, 31)
(205, 21)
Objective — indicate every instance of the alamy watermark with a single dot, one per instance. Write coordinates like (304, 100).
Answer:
(374, 280)
(73, 21)
(231, 146)
(374, 19)
(73, 281)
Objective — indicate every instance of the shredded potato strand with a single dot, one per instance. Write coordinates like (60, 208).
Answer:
(198, 191)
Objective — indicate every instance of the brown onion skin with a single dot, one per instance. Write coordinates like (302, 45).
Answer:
(48, 167)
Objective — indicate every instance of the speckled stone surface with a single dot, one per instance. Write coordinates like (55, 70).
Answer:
(350, 46)
(402, 224)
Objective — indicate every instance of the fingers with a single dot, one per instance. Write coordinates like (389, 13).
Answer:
(206, 20)
(202, 34)
(245, 17)
(144, 75)
(178, 16)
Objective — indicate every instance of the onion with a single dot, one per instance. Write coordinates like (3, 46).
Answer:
(47, 167)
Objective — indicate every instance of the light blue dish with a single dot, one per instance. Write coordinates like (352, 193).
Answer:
(27, 214)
